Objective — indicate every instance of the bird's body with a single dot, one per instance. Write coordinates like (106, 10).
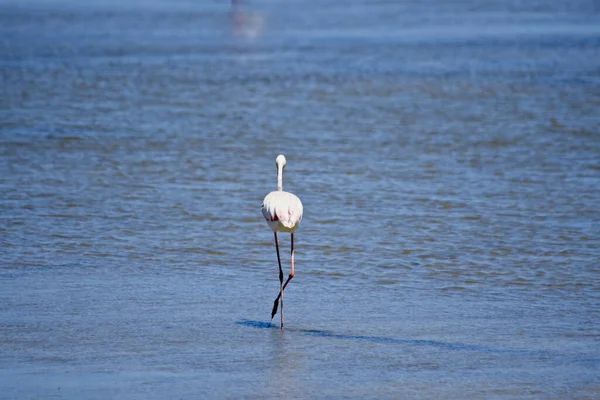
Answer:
(283, 212)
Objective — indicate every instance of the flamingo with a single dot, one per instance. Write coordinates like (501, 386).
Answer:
(283, 212)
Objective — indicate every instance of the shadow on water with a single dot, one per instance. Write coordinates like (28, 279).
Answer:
(395, 341)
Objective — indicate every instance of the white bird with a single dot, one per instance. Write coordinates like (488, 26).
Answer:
(283, 212)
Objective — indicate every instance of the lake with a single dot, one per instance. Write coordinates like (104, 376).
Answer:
(447, 154)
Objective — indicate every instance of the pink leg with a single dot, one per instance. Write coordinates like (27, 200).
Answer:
(292, 267)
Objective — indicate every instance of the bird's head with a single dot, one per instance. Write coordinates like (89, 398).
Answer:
(280, 161)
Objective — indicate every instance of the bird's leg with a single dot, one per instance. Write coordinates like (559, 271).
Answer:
(280, 283)
(290, 276)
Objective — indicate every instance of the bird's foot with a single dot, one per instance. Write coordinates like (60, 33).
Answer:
(275, 306)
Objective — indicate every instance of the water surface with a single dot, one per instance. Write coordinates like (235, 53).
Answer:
(447, 154)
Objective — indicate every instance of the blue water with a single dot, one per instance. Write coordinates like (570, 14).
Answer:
(446, 153)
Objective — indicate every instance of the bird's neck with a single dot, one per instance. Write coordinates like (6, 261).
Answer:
(279, 179)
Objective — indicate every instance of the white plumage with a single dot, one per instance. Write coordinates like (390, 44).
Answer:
(283, 212)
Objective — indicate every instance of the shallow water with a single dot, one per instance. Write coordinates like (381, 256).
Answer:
(447, 155)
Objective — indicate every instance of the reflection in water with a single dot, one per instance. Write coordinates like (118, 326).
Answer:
(246, 24)
(288, 363)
